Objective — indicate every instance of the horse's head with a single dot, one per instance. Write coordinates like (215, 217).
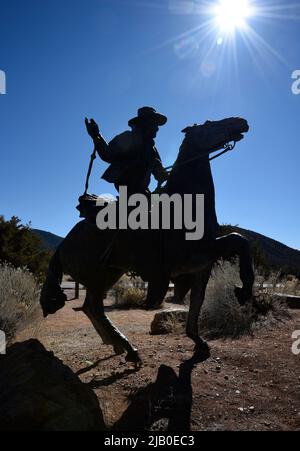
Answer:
(213, 135)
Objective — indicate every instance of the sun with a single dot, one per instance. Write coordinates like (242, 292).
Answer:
(231, 15)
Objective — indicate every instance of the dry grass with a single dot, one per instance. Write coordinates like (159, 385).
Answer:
(128, 294)
(222, 316)
(19, 299)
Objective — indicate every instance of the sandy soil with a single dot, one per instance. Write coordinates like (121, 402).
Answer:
(248, 384)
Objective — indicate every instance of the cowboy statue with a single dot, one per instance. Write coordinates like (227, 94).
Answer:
(132, 155)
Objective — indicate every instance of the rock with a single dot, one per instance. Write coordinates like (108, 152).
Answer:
(293, 302)
(168, 322)
(39, 393)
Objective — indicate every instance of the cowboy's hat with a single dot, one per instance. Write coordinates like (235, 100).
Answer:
(148, 114)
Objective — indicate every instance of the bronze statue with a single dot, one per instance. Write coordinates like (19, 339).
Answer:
(132, 155)
(97, 259)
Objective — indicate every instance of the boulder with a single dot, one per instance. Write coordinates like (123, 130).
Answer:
(169, 322)
(38, 392)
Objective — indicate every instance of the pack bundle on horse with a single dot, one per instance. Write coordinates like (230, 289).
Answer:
(81, 253)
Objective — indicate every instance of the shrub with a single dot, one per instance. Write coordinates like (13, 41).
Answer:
(222, 316)
(19, 298)
(128, 292)
(131, 297)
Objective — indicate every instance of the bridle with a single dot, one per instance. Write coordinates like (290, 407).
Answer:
(226, 148)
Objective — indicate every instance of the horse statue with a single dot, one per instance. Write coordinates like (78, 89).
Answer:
(98, 258)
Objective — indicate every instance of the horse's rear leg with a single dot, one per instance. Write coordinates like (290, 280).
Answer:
(157, 290)
(110, 334)
(182, 285)
(196, 301)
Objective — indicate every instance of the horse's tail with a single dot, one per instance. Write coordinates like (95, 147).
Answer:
(52, 296)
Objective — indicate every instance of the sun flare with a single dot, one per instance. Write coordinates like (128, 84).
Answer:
(231, 15)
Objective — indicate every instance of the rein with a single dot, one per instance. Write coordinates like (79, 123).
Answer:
(227, 148)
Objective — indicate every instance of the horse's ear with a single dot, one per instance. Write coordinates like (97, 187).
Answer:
(186, 130)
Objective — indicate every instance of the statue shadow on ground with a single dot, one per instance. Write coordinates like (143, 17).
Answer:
(111, 379)
(164, 405)
(94, 365)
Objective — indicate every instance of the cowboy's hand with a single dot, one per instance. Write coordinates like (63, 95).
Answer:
(92, 128)
(159, 172)
(163, 175)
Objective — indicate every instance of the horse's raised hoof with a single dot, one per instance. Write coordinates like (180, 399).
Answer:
(201, 352)
(243, 296)
(133, 357)
(51, 306)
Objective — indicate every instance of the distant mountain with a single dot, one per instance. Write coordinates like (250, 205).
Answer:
(49, 240)
(276, 254)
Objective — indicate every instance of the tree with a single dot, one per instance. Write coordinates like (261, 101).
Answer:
(21, 247)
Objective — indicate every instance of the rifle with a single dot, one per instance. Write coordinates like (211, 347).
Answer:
(93, 158)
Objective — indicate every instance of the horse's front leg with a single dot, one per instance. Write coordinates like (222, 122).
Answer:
(196, 301)
(110, 334)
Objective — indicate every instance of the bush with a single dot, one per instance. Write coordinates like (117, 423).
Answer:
(131, 298)
(222, 315)
(128, 293)
(19, 299)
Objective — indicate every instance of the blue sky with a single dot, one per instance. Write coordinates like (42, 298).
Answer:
(65, 60)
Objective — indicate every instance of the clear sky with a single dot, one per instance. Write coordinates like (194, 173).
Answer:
(68, 59)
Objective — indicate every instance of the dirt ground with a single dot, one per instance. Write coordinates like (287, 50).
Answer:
(248, 384)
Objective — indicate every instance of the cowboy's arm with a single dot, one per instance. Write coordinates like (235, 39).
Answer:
(99, 142)
(102, 148)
